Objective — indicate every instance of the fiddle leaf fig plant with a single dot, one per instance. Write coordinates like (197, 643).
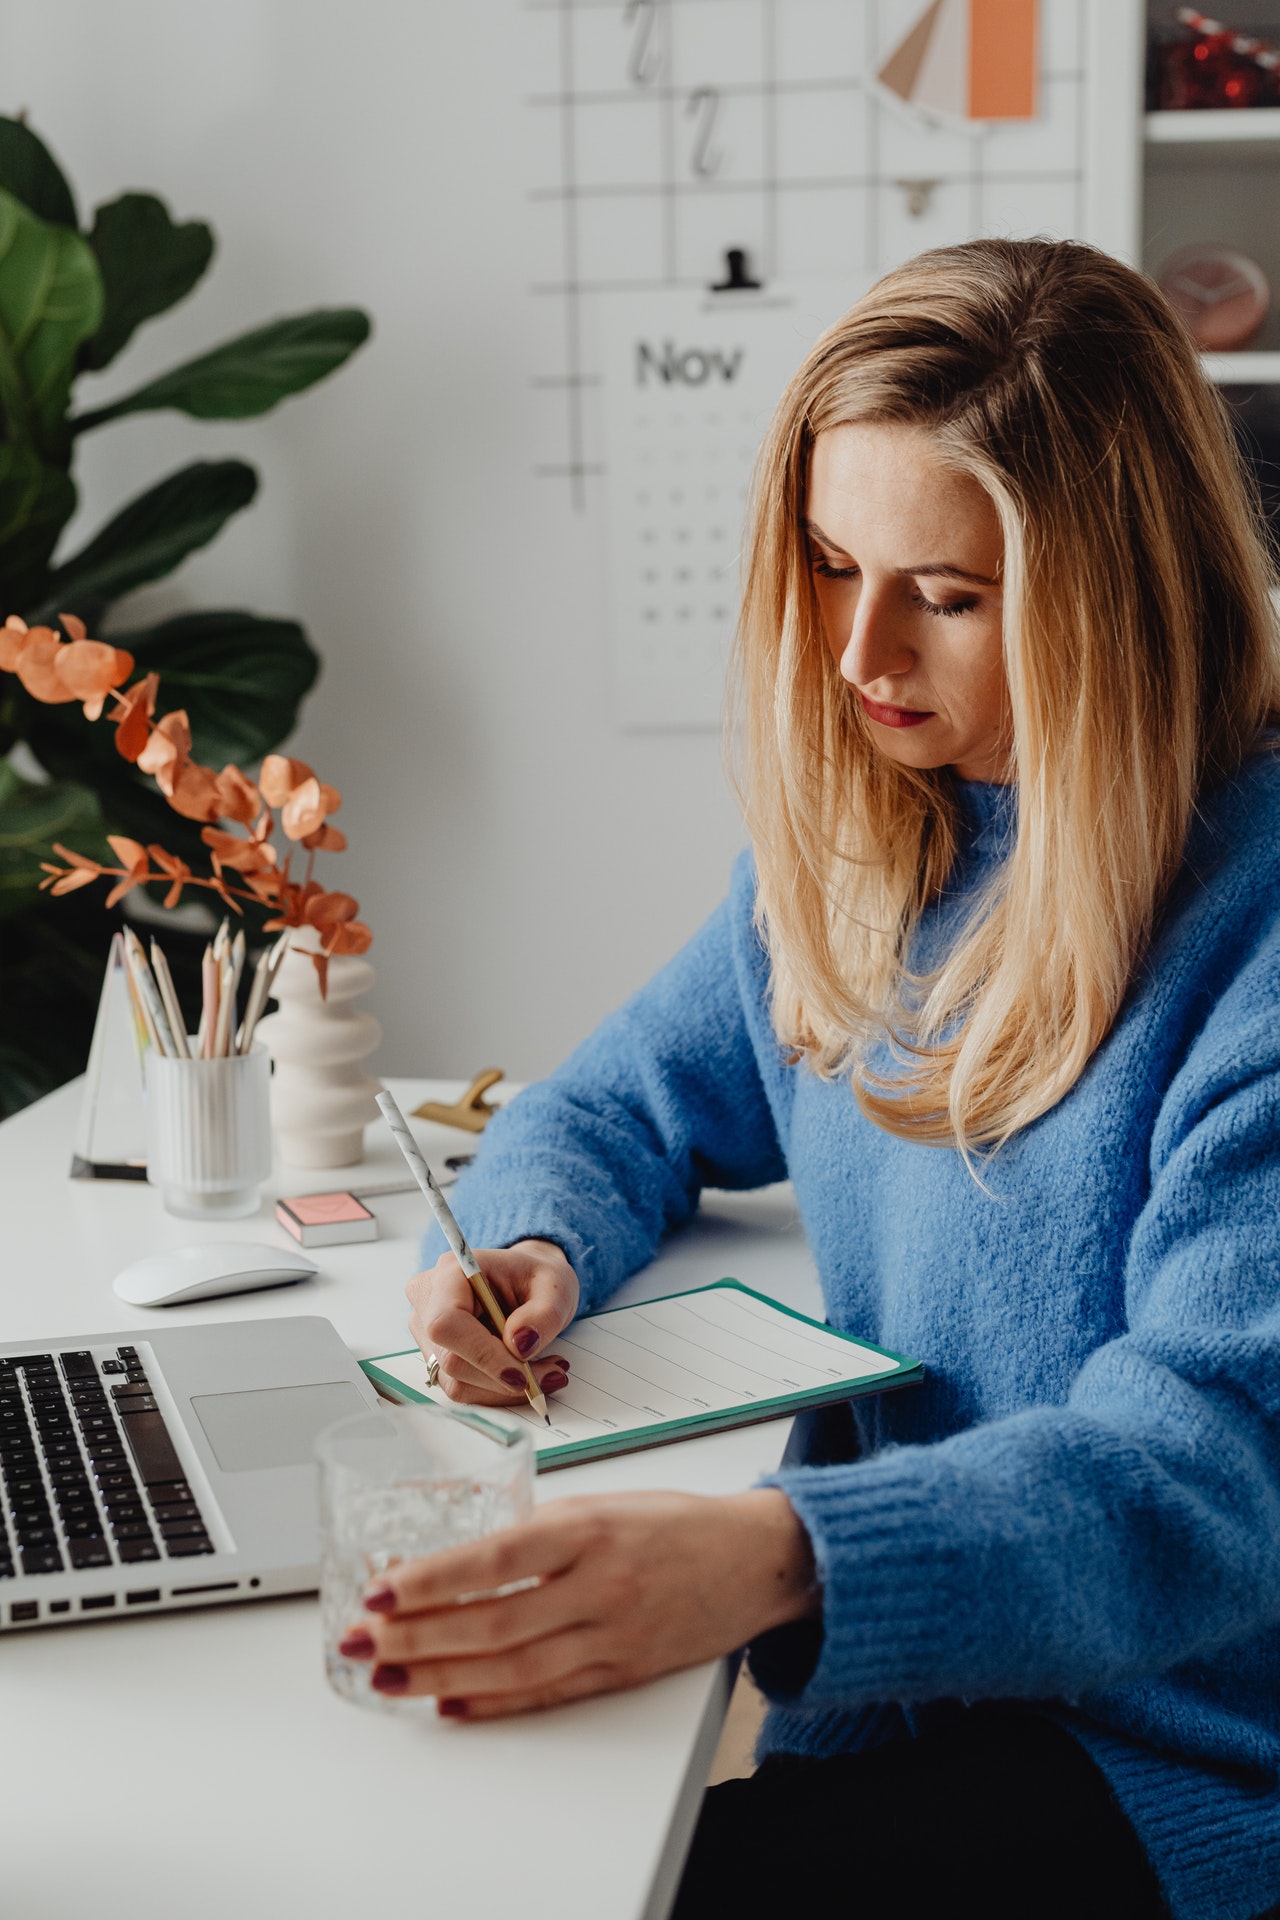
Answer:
(71, 299)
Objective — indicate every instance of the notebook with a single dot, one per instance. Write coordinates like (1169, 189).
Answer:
(721, 1356)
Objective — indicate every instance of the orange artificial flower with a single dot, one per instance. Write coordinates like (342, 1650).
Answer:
(56, 671)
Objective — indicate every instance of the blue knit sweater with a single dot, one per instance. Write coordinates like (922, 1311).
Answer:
(1081, 1505)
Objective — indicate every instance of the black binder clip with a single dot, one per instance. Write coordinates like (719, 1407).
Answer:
(737, 274)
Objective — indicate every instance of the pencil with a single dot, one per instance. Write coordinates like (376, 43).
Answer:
(457, 1240)
(209, 1004)
(157, 1018)
(168, 994)
(226, 1008)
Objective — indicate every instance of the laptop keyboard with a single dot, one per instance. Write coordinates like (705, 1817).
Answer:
(88, 1472)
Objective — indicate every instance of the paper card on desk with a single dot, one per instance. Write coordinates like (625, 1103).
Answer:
(669, 1369)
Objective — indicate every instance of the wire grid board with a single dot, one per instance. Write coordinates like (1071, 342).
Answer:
(664, 133)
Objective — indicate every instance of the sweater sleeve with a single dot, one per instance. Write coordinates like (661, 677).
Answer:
(666, 1097)
(1136, 1527)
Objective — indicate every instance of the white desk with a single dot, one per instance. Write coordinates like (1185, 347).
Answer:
(196, 1764)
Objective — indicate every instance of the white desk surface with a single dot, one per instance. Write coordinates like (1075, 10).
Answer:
(196, 1764)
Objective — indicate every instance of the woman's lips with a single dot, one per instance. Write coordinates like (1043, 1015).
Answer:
(893, 716)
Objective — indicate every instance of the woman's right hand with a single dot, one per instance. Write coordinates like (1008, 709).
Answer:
(539, 1293)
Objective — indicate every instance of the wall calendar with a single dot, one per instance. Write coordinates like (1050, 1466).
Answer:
(770, 150)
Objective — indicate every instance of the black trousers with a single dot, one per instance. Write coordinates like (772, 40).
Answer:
(994, 1810)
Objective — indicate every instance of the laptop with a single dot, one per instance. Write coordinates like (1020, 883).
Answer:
(142, 1473)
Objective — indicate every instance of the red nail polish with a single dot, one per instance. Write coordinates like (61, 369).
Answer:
(452, 1709)
(379, 1600)
(511, 1377)
(356, 1645)
(526, 1341)
(390, 1679)
(554, 1382)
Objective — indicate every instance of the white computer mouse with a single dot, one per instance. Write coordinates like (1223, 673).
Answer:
(205, 1272)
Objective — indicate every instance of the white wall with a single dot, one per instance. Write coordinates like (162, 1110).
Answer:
(524, 863)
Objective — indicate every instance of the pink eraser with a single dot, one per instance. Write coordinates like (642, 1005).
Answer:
(326, 1219)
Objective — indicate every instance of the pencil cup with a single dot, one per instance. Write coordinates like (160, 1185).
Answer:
(209, 1133)
(398, 1484)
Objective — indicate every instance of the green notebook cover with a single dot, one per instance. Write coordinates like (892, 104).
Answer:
(689, 1363)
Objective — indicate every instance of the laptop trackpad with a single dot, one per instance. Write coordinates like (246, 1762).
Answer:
(274, 1426)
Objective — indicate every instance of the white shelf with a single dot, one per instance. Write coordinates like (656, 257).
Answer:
(1242, 369)
(1212, 126)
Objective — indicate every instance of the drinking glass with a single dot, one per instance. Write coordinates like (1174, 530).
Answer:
(399, 1483)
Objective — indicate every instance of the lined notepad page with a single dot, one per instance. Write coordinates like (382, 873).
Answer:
(686, 1358)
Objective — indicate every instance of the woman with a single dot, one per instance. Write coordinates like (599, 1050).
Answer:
(998, 992)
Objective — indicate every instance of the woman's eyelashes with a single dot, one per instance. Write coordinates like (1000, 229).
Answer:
(941, 609)
(830, 571)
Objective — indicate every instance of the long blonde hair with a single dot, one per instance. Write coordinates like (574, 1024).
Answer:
(1140, 650)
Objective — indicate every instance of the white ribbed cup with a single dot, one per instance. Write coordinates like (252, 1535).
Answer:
(209, 1133)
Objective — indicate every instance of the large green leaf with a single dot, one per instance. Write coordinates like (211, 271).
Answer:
(31, 174)
(32, 817)
(52, 961)
(148, 538)
(36, 501)
(50, 300)
(147, 263)
(240, 678)
(250, 375)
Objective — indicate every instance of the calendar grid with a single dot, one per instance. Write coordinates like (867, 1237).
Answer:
(690, 127)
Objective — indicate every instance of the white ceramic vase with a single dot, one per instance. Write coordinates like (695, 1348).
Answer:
(321, 1099)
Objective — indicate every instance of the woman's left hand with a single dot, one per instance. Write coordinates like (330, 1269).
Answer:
(628, 1586)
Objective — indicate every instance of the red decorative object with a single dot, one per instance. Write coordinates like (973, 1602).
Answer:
(1215, 67)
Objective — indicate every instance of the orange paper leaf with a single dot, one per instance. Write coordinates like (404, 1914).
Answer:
(330, 909)
(166, 751)
(69, 882)
(238, 797)
(38, 668)
(75, 626)
(303, 812)
(13, 638)
(91, 669)
(128, 852)
(123, 886)
(351, 937)
(195, 792)
(76, 859)
(133, 717)
(325, 839)
(243, 856)
(279, 775)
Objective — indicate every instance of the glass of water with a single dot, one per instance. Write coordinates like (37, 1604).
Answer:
(399, 1483)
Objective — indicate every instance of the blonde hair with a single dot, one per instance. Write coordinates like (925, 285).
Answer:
(1139, 645)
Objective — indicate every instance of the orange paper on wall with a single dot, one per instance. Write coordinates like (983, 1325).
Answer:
(975, 59)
